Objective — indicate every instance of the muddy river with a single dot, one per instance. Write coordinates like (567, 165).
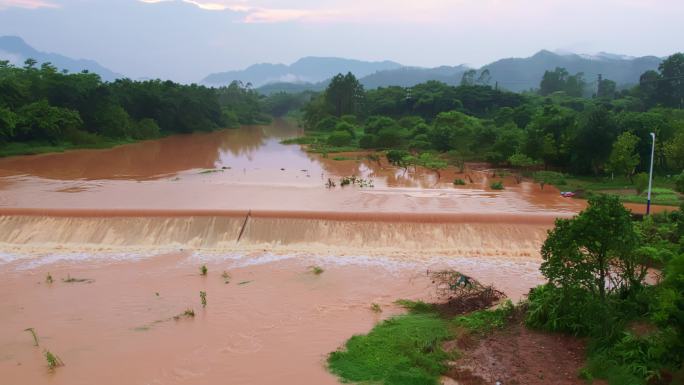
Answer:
(132, 225)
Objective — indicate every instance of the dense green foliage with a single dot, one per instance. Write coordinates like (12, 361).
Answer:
(596, 269)
(555, 128)
(43, 109)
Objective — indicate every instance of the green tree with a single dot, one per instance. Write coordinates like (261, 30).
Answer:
(8, 121)
(606, 89)
(40, 121)
(671, 85)
(624, 159)
(553, 81)
(674, 151)
(453, 131)
(344, 94)
(595, 250)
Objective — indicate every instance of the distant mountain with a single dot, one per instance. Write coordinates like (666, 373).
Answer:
(16, 50)
(520, 74)
(410, 76)
(305, 70)
(514, 74)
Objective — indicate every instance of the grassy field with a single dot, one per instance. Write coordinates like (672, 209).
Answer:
(663, 192)
(33, 148)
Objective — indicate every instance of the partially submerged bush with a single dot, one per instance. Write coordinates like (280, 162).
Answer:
(497, 185)
(53, 360)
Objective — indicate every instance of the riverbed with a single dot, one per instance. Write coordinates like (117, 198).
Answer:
(136, 222)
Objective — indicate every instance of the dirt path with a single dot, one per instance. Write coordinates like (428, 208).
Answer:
(519, 356)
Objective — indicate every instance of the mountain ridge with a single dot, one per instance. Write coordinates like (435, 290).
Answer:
(16, 50)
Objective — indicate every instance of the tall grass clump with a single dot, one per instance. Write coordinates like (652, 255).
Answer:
(33, 334)
(53, 360)
(203, 270)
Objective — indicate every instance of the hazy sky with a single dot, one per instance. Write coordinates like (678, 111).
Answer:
(187, 39)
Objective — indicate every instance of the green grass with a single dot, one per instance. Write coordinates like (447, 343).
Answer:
(659, 196)
(34, 148)
(404, 350)
(340, 158)
(662, 194)
(416, 307)
(484, 321)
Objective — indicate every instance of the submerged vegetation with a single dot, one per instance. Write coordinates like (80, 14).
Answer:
(203, 270)
(70, 279)
(34, 335)
(53, 361)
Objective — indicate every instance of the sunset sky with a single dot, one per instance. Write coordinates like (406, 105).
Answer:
(187, 39)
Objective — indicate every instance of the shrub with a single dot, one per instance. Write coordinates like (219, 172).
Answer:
(497, 185)
(679, 182)
(327, 124)
(459, 182)
(641, 182)
(368, 141)
(347, 127)
(340, 138)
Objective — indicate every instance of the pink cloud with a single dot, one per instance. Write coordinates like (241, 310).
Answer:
(28, 4)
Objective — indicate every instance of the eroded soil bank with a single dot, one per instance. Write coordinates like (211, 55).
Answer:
(274, 322)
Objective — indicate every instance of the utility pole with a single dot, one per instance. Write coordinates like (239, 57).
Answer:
(650, 176)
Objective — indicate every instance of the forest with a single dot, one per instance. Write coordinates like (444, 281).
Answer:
(551, 128)
(43, 109)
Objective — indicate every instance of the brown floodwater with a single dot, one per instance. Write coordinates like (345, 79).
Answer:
(138, 220)
(249, 168)
(274, 323)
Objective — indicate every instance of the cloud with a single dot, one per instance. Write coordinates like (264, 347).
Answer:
(409, 11)
(27, 4)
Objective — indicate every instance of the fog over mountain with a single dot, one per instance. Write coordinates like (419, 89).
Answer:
(15, 49)
(515, 74)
